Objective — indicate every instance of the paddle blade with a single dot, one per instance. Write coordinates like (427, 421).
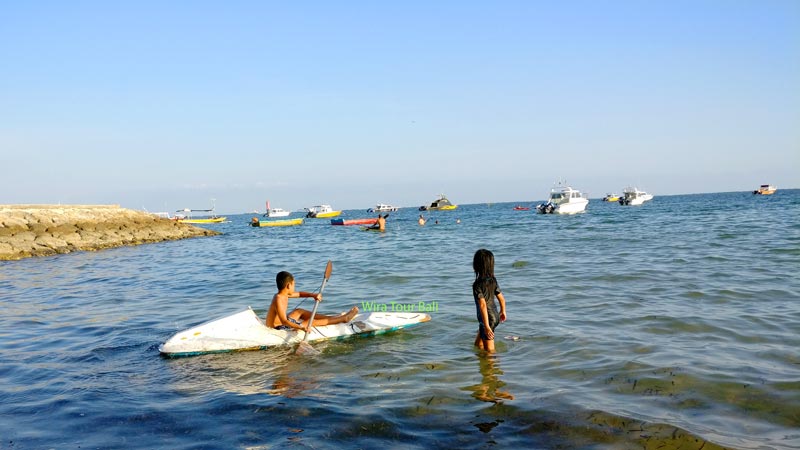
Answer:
(304, 348)
(328, 269)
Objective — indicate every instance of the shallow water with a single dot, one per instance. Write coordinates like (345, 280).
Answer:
(671, 325)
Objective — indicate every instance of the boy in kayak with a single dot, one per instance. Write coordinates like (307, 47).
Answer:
(484, 290)
(278, 318)
(380, 223)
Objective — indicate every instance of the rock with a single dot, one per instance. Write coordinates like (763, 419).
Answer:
(39, 230)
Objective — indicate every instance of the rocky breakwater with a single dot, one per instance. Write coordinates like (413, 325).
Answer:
(41, 230)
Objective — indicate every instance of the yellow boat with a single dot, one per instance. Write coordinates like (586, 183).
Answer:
(611, 198)
(440, 204)
(276, 223)
(321, 212)
(765, 189)
(208, 220)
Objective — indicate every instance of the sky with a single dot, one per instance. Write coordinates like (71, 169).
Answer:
(166, 105)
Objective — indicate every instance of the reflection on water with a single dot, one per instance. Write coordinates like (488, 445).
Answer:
(488, 390)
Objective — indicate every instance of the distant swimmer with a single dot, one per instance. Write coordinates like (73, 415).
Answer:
(421, 220)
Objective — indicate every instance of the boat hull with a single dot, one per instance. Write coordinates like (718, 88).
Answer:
(325, 215)
(278, 223)
(370, 221)
(212, 220)
(244, 331)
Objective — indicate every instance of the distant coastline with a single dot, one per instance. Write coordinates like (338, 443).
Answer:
(43, 230)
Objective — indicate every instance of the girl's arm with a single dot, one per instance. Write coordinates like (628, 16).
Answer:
(502, 306)
(485, 316)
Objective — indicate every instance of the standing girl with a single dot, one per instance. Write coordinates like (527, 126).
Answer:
(484, 290)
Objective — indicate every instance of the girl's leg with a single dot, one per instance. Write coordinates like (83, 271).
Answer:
(479, 341)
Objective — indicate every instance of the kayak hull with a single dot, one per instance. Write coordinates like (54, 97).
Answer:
(370, 221)
(244, 331)
(278, 223)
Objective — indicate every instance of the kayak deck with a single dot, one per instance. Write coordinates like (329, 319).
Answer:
(244, 331)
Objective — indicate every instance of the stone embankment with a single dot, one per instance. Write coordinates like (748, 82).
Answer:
(41, 230)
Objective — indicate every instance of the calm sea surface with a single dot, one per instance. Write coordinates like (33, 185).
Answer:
(671, 325)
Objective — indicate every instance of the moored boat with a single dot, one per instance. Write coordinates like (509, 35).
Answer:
(765, 189)
(633, 196)
(381, 207)
(245, 331)
(611, 198)
(370, 221)
(276, 212)
(186, 216)
(321, 212)
(276, 223)
(563, 200)
(440, 204)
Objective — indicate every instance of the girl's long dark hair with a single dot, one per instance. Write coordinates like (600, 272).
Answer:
(483, 264)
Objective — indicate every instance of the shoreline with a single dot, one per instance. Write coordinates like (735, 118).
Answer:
(43, 230)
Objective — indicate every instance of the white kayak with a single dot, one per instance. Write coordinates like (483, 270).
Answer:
(245, 331)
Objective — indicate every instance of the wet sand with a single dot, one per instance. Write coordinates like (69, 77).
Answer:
(43, 230)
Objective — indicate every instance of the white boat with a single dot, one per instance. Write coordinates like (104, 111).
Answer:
(633, 196)
(245, 331)
(321, 212)
(380, 207)
(765, 189)
(564, 200)
(276, 212)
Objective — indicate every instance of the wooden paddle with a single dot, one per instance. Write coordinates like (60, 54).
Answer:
(304, 347)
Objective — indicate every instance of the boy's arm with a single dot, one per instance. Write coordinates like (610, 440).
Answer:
(316, 296)
(502, 301)
(485, 316)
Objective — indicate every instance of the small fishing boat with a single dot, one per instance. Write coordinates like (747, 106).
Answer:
(370, 221)
(611, 198)
(633, 196)
(765, 189)
(521, 208)
(245, 331)
(440, 204)
(381, 207)
(321, 212)
(276, 212)
(186, 216)
(275, 223)
(564, 200)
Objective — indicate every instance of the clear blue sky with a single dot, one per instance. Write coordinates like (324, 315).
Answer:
(164, 105)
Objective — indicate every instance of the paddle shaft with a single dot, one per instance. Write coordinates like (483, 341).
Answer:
(314, 310)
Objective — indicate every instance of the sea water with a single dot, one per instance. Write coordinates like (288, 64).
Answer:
(675, 324)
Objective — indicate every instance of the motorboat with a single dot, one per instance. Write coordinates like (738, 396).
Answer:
(633, 196)
(321, 212)
(765, 189)
(440, 204)
(564, 200)
(611, 198)
(276, 212)
(381, 207)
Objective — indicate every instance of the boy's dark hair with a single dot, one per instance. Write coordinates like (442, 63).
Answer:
(283, 279)
(483, 264)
